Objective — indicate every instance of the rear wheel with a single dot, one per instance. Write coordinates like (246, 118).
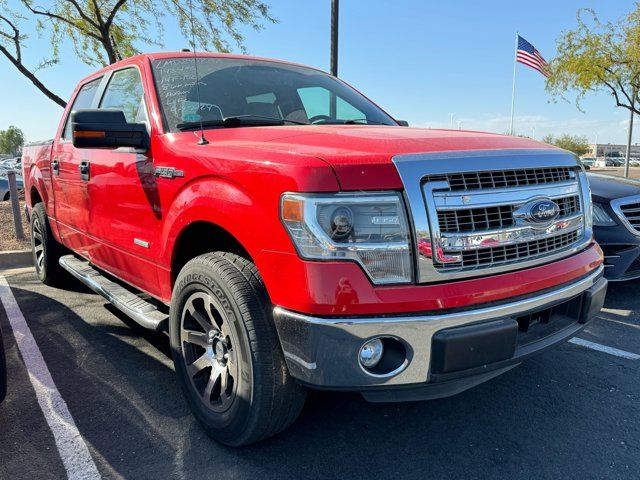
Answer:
(46, 251)
(226, 351)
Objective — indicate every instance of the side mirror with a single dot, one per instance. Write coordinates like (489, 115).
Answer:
(402, 123)
(107, 129)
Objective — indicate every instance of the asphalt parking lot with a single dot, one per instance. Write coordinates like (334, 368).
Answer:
(634, 172)
(572, 412)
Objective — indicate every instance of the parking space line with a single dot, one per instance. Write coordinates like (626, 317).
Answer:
(604, 348)
(71, 446)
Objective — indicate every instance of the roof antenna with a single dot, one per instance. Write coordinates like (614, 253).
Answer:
(202, 141)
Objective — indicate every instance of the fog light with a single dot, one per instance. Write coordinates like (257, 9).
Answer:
(371, 353)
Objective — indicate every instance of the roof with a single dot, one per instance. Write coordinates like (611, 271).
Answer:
(164, 55)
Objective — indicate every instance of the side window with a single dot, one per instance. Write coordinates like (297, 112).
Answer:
(125, 93)
(317, 101)
(84, 99)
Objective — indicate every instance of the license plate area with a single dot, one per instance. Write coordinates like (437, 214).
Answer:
(543, 323)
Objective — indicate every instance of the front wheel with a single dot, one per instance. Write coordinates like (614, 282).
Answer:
(226, 351)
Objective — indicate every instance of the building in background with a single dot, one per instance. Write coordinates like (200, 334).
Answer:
(612, 150)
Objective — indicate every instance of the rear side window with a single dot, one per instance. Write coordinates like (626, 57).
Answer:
(84, 99)
(125, 93)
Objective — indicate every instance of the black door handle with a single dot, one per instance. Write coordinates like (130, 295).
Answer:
(55, 167)
(84, 170)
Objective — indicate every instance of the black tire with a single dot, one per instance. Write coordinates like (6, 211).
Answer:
(3, 370)
(262, 399)
(46, 250)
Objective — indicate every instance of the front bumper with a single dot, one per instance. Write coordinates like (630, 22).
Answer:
(445, 353)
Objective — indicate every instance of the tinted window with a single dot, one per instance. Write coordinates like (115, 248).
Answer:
(234, 87)
(125, 93)
(84, 99)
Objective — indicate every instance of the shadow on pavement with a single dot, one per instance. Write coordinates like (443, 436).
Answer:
(552, 415)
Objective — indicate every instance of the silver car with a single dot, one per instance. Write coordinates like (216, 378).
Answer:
(4, 185)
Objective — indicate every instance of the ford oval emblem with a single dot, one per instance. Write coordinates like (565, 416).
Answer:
(542, 211)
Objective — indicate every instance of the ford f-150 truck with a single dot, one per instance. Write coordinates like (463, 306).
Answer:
(289, 234)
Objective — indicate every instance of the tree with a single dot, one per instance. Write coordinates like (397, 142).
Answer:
(11, 42)
(103, 32)
(574, 143)
(11, 140)
(599, 56)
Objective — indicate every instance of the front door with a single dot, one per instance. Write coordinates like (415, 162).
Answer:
(124, 206)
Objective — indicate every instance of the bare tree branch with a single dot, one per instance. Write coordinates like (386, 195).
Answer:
(15, 37)
(64, 20)
(96, 10)
(114, 11)
(83, 15)
(16, 60)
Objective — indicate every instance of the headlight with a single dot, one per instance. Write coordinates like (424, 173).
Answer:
(370, 229)
(600, 216)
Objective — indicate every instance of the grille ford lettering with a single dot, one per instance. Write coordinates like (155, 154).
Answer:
(538, 212)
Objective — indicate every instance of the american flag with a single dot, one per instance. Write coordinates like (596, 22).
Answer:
(527, 54)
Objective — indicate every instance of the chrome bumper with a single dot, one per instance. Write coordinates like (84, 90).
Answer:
(323, 352)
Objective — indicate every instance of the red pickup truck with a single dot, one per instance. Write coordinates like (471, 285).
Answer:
(290, 234)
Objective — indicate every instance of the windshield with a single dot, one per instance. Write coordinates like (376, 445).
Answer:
(240, 89)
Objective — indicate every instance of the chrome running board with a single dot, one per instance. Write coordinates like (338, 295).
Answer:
(138, 309)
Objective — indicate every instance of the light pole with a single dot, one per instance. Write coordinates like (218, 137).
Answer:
(626, 163)
(335, 14)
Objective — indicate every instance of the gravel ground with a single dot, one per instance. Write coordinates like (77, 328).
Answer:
(8, 239)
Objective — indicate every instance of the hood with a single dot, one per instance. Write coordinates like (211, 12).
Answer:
(605, 187)
(361, 155)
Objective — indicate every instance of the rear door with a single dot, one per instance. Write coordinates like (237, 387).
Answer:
(69, 188)
(124, 201)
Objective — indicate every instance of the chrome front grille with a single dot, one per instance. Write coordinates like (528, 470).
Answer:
(478, 213)
(504, 178)
(628, 209)
(500, 216)
(632, 214)
(511, 253)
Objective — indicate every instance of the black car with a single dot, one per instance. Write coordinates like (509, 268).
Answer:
(616, 224)
(3, 370)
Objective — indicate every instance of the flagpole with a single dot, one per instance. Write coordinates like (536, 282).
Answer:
(513, 88)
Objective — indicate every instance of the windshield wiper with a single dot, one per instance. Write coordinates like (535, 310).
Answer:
(356, 121)
(238, 120)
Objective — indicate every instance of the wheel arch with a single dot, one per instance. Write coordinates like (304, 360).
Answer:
(214, 214)
(37, 191)
(201, 237)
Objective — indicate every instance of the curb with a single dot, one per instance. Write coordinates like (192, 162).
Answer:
(15, 259)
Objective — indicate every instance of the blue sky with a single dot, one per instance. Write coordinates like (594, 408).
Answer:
(421, 60)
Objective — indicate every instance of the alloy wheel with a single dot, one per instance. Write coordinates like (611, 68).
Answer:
(38, 245)
(207, 342)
